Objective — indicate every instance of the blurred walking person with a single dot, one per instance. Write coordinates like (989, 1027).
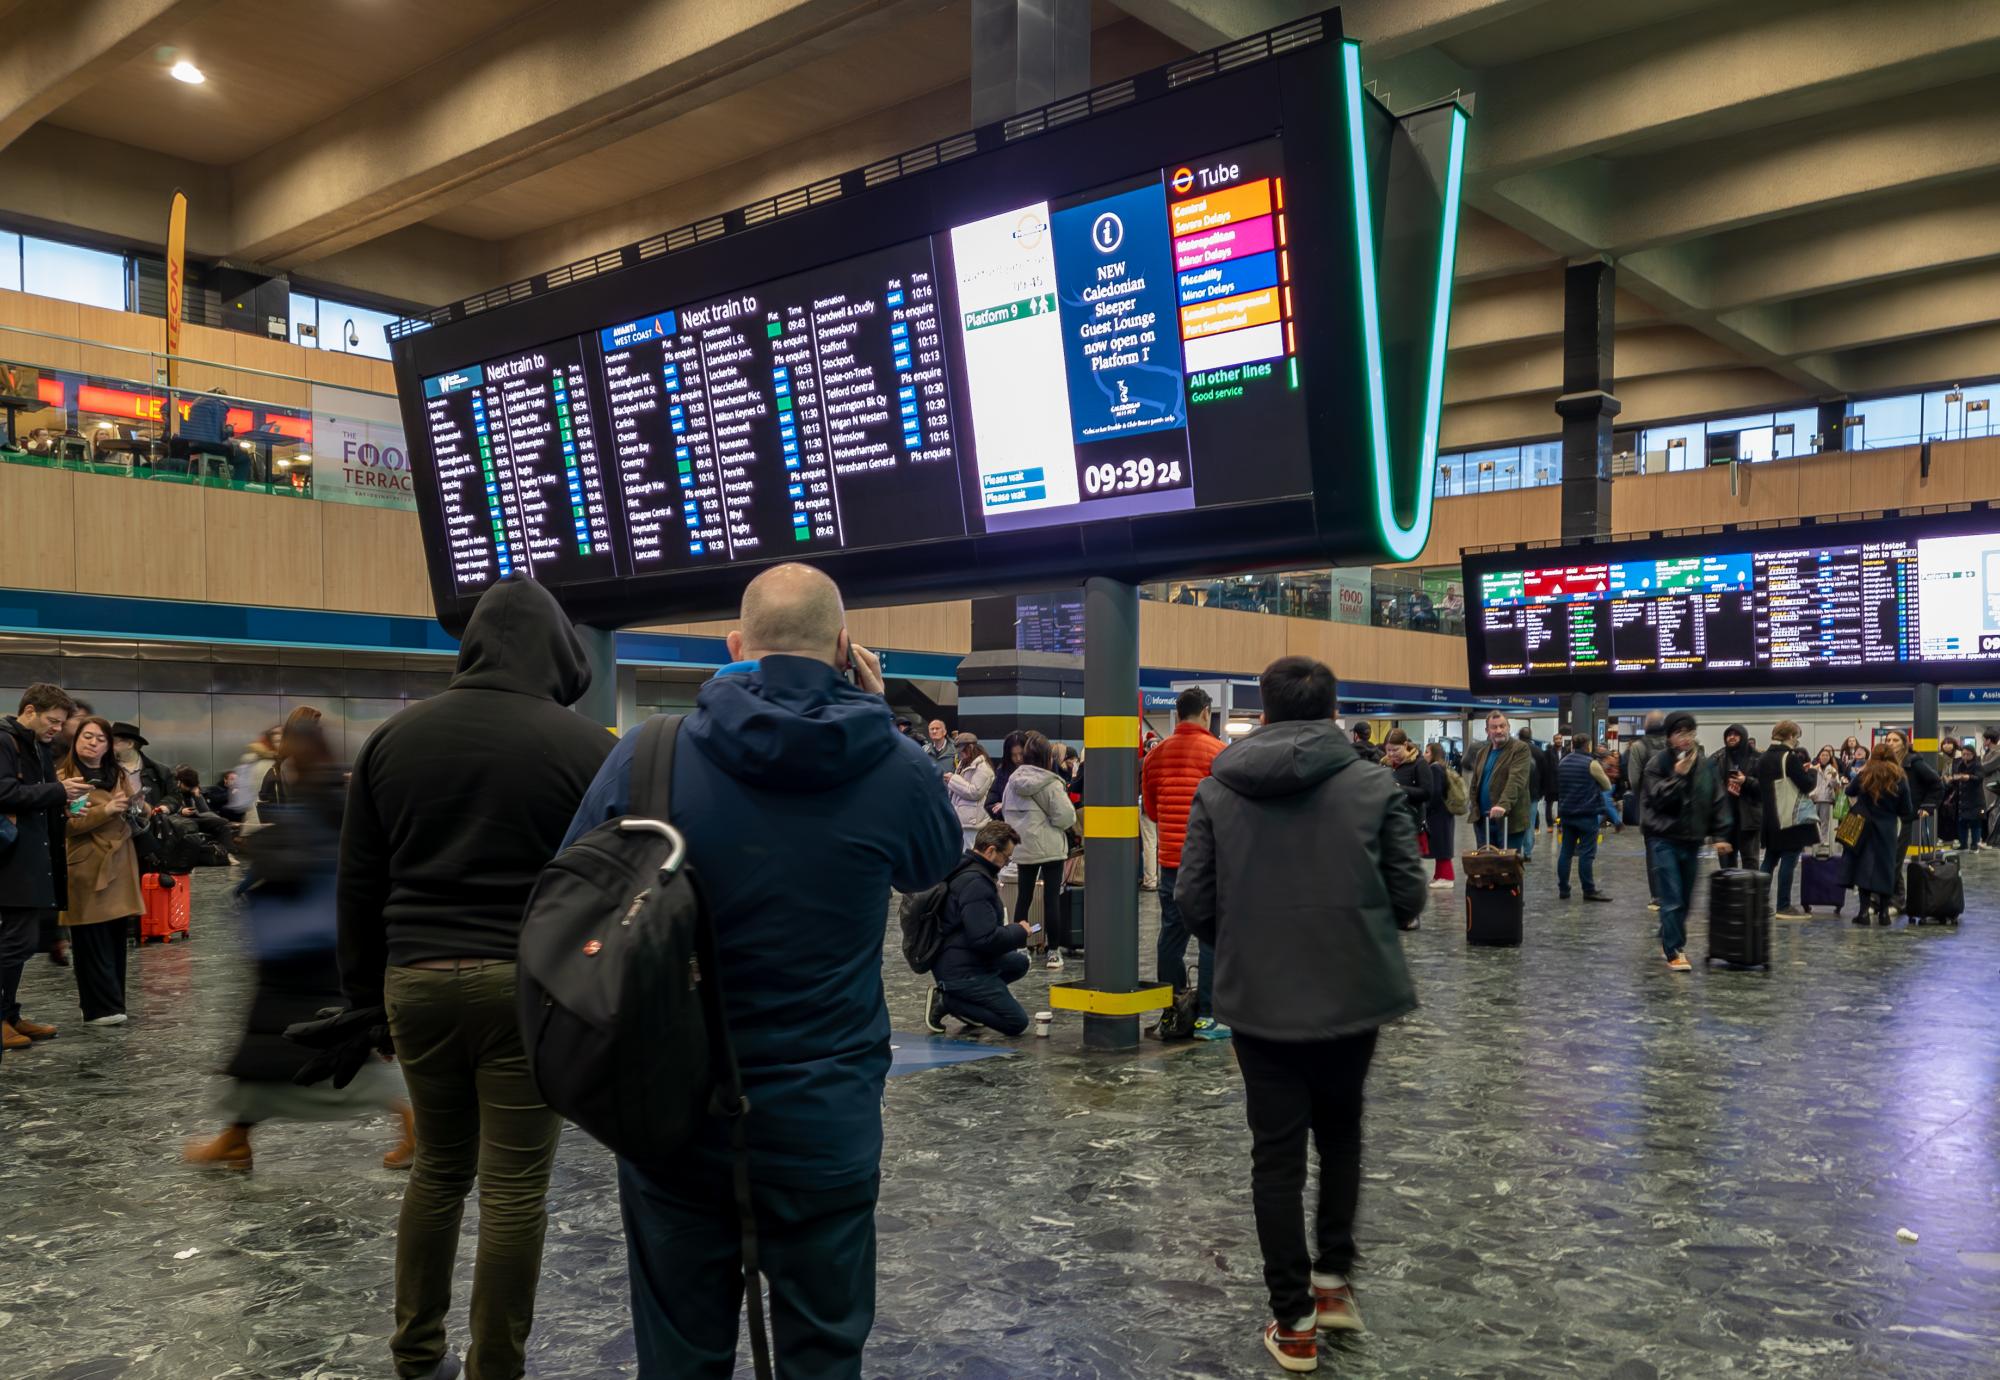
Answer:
(289, 923)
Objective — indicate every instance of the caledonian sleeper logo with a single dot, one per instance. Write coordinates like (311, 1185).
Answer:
(1403, 412)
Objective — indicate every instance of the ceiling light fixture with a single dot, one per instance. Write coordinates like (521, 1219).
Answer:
(186, 71)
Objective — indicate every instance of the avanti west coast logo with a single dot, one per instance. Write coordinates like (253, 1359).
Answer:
(1402, 411)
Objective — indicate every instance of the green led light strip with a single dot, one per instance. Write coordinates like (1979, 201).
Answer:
(1403, 542)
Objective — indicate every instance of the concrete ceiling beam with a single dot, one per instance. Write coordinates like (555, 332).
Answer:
(1387, 27)
(56, 50)
(1954, 225)
(524, 97)
(1742, 68)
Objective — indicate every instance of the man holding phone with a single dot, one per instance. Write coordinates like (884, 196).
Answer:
(801, 805)
(982, 954)
(1683, 804)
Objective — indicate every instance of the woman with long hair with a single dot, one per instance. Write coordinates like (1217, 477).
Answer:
(968, 781)
(1881, 793)
(1926, 795)
(1038, 806)
(1439, 821)
(104, 893)
(288, 917)
(1010, 758)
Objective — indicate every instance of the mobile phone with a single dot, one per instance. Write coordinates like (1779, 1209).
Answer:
(1034, 929)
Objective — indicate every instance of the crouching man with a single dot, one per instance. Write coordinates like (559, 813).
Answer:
(982, 949)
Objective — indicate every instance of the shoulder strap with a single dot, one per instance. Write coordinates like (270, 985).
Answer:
(653, 767)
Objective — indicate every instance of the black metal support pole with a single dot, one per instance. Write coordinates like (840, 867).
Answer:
(1926, 705)
(1587, 405)
(1111, 814)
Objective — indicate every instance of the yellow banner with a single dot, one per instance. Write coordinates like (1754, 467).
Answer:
(176, 277)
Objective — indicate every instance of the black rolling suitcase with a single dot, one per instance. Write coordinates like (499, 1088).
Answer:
(1931, 884)
(1739, 918)
(1492, 896)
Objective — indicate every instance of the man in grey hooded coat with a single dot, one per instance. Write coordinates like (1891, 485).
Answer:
(1300, 866)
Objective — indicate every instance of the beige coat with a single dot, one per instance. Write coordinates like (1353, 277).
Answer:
(103, 865)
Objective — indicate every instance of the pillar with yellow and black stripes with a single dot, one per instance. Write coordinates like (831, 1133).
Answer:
(1109, 996)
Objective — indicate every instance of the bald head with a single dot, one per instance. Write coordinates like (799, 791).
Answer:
(790, 610)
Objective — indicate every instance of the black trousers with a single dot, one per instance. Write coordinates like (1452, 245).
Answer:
(1291, 1089)
(816, 1247)
(1050, 874)
(20, 937)
(98, 954)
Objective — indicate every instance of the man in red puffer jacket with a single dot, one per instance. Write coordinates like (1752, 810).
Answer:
(1168, 779)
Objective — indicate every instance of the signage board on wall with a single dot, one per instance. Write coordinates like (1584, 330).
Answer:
(359, 454)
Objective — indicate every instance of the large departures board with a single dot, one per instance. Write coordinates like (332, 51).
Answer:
(1897, 600)
(1125, 345)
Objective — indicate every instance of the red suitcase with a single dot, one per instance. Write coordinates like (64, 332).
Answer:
(167, 910)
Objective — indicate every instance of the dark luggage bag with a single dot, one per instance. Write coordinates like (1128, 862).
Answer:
(1069, 920)
(1493, 896)
(1739, 918)
(1932, 887)
(1821, 882)
(1493, 916)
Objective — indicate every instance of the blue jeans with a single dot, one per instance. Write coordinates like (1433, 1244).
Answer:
(1580, 842)
(1783, 864)
(683, 1250)
(1971, 831)
(984, 999)
(1675, 865)
(1611, 815)
(1171, 960)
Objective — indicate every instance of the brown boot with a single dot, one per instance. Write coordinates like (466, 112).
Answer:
(406, 1148)
(10, 1038)
(230, 1150)
(35, 1030)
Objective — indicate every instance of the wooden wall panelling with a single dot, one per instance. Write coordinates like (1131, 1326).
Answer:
(373, 560)
(129, 331)
(43, 314)
(39, 548)
(1187, 637)
(135, 538)
(940, 627)
(216, 349)
(263, 550)
(273, 357)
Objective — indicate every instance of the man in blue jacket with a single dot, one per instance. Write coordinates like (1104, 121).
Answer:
(982, 948)
(801, 806)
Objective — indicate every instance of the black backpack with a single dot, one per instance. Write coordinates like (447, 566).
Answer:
(922, 916)
(620, 1007)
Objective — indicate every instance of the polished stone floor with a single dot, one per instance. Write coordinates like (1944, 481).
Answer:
(1578, 1165)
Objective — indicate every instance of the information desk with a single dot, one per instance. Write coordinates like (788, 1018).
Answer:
(1898, 600)
(1151, 341)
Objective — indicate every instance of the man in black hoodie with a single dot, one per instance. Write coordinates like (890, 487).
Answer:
(1300, 867)
(801, 806)
(982, 954)
(455, 807)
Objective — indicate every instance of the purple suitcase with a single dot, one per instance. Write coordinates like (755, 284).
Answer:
(1821, 883)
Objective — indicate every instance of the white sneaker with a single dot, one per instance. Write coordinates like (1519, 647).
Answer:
(1055, 962)
(1441, 884)
(1652, 905)
(115, 1018)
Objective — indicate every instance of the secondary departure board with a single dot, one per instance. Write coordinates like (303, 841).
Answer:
(1189, 323)
(1878, 601)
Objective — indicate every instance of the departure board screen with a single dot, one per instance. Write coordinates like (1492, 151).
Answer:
(1187, 324)
(1120, 352)
(1869, 602)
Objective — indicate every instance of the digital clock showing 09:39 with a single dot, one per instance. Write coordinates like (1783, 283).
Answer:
(1134, 475)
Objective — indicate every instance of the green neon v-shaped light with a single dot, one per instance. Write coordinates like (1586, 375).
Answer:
(1403, 540)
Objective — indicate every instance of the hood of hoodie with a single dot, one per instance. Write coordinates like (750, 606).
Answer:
(519, 640)
(791, 723)
(1742, 753)
(1028, 777)
(1284, 758)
